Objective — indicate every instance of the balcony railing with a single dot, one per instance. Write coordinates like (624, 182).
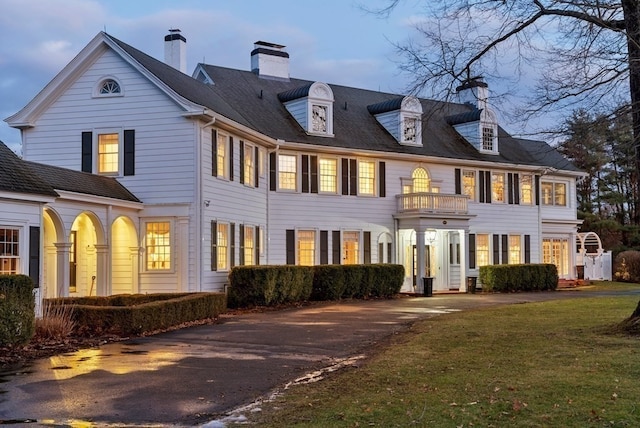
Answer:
(432, 203)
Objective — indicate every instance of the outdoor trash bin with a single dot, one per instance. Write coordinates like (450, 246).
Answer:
(428, 286)
(471, 284)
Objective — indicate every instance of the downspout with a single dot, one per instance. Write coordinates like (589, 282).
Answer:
(200, 202)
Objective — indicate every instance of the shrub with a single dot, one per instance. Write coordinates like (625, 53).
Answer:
(328, 282)
(56, 322)
(627, 266)
(522, 277)
(17, 309)
(269, 285)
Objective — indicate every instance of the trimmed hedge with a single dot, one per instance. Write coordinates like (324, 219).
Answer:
(140, 313)
(272, 285)
(522, 277)
(17, 310)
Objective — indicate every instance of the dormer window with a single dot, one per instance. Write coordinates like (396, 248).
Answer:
(108, 87)
(409, 130)
(312, 107)
(401, 117)
(487, 138)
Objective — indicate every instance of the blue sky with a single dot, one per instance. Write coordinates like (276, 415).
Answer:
(333, 41)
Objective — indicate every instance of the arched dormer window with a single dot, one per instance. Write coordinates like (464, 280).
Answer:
(421, 181)
(312, 107)
(401, 117)
(108, 87)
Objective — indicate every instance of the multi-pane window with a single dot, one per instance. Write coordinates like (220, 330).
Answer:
(287, 172)
(421, 182)
(328, 175)
(553, 193)
(158, 245)
(222, 246)
(350, 247)
(109, 87)
(526, 189)
(319, 118)
(306, 247)
(482, 250)
(108, 147)
(514, 249)
(469, 184)
(249, 165)
(556, 251)
(497, 186)
(410, 129)
(222, 152)
(487, 138)
(249, 245)
(9, 251)
(366, 177)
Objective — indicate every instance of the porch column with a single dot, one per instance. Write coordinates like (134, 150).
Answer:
(420, 259)
(102, 270)
(62, 269)
(464, 265)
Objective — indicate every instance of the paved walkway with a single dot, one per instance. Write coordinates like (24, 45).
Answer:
(194, 375)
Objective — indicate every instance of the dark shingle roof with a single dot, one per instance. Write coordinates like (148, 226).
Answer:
(15, 177)
(257, 103)
(466, 117)
(386, 106)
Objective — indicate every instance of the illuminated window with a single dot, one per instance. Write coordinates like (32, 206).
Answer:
(287, 172)
(222, 246)
(158, 245)
(497, 187)
(526, 189)
(556, 251)
(350, 248)
(553, 193)
(482, 250)
(366, 178)
(487, 138)
(469, 184)
(9, 251)
(306, 247)
(108, 147)
(421, 182)
(249, 245)
(328, 175)
(222, 151)
(109, 87)
(249, 166)
(514, 249)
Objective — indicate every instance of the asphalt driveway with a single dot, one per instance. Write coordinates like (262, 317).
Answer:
(199, 374)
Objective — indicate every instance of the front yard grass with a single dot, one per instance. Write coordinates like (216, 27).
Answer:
(552, 364)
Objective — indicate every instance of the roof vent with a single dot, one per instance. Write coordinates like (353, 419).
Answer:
(270, 61)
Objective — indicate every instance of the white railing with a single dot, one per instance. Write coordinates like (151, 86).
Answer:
(432, 203)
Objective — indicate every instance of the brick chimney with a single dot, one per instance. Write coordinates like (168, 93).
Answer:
(270, 61)
(175, 50)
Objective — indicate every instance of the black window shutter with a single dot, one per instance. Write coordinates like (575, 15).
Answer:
(505, 249)
(367, 247)
(527, 248)
(272, 171)
(256, 167)
(214, 153)
(258, 243)
(87, 149)
(496, 249)
(345, 176)
(382, 183)
(305, 174)
(537, 189)
(380, 252)
(510, 188)
(487, 186)
(335, 247)
(458, 181)
(481, 182)
(324, 247)
(242, 165)
(231, 172)
(389, 252)
(353, 177)
(129, 152)
(313, 160)
(232, 244)
(34, 255)
(291, 247)
(516, 189)
(472, 251)
(241, 242)
(214, 245)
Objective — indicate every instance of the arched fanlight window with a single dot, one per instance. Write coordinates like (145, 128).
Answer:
(109, 86)
(421, 182)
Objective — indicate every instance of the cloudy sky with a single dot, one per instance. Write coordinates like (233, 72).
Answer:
(334, 41)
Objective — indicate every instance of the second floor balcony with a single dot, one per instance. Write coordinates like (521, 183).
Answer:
(432, 203)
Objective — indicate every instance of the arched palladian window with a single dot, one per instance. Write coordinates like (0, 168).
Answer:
(421, 181)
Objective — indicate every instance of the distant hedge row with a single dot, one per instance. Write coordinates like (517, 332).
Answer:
(273, 285)
(523, 277)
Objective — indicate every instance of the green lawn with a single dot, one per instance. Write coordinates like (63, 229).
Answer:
(550, 364)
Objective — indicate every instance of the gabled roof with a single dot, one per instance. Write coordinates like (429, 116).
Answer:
(20, 176)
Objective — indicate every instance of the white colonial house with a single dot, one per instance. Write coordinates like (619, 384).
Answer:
(147, 179)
